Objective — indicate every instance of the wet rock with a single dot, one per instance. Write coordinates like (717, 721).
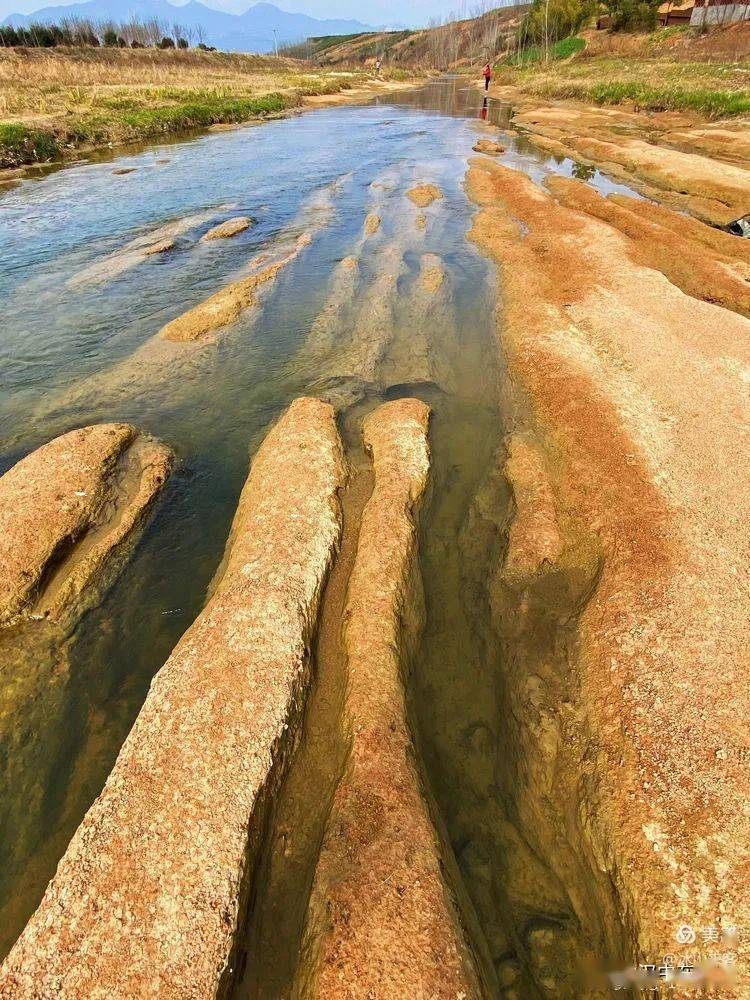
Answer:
(489, 147)
(328, 328)
(382, 918)
(161, 247)
(227, 229)
(226, 305)
(124, 170)
(373, 329)
(137, 250)
(372, 224)
(148, 897)
(420, 350)
(432, 274)
(424, 195)
(170, 366)
(65, 511)
(421, 221)
(534, 539)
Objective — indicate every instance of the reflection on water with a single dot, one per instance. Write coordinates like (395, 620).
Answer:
(76, 700)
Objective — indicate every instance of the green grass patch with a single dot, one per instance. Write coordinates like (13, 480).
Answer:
(20, 145)
(664, 34)
(563, 49)
(146, 122)
(646, 97)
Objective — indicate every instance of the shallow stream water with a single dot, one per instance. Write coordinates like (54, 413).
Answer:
(69, 329)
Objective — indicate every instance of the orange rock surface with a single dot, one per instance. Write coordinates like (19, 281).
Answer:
(147, 899)
(636, 395)
(65, 505)
(383, 921)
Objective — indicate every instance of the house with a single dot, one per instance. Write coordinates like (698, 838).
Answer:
(676, 13)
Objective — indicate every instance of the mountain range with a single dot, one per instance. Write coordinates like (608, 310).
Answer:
(256, 30)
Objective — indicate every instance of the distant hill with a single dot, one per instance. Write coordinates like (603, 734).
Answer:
(252, 31)
(447, 46)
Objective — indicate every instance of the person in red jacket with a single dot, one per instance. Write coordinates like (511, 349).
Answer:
(487, 73)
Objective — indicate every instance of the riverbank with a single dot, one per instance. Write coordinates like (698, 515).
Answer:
(673, 69)
(684, 158)
(60, 103)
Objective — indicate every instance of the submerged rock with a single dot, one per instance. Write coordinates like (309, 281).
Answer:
(124, 170)
(424, 195)
(328, 327)
(65, 511)
(226, 305)
(137, 250)
(161, 247)
(382, 919)
(148, 898)
(227, 229)
(372, 224)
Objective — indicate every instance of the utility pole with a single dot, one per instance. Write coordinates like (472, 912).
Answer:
(275, 41)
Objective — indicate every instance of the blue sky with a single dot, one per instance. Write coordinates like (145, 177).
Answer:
(415, 12)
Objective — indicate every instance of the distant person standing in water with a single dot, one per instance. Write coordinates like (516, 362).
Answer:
(487, 73)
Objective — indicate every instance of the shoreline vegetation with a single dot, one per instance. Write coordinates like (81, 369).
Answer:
(643, 82)
(57, 103)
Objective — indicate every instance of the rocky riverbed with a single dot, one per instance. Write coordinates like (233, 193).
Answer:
(412, 661)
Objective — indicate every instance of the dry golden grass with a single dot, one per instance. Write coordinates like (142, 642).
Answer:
(56, 98)
(38, 83)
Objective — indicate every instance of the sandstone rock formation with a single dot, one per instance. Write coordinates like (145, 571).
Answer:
(65, 511)
(424, 195)
(420, 347)
(367, 339)
(226, 305)
(714, 191)
(149, 895)
(709, 265)
(383, 921)
(170, 360)
(624, 704)
(227, 229)
(161, 247)
(329, 325)
(489, 147)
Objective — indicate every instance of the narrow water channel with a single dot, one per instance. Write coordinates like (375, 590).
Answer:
(70, 327)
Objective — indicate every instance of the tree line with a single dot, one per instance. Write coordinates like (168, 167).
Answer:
(79, 32)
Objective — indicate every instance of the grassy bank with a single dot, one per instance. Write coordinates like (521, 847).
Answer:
(53, 102)
(646, 78)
